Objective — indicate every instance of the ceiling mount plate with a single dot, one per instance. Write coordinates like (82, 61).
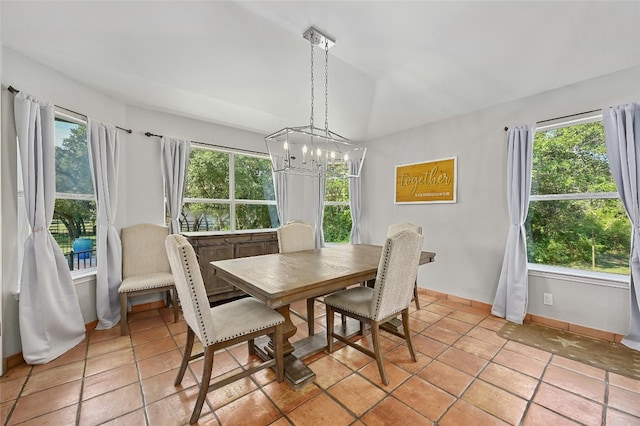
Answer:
(318, 38)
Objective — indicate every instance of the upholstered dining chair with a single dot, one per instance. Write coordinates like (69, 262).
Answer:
(219, 327)
(391, 295)
(393, 229)
(145, 268)
(297, 236)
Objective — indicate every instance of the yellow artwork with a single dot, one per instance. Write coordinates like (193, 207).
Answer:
(430, 182)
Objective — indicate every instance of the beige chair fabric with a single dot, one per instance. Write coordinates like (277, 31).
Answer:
(219, 327)
(298, 236)
(145, 267)
(399, 227)
(390, 296)
(295, 236)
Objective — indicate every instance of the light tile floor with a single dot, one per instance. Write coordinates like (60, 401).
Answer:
(465, 375)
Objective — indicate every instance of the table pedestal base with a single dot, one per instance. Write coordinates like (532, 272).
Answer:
(296, 373)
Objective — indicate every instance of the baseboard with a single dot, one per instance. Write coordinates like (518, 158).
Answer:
(560, 325)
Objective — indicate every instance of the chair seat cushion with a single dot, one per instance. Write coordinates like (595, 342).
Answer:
(241, 317)
(356, 300)
(145, 282)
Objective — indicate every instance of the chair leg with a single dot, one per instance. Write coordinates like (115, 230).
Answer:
(279, 352)
(407, 333)
(185, 357)
(310, 316)
(329, 328)
(415, 295)
(204, 383)
(124, 325)
(375, 336)
(176, 304)
(251, 347)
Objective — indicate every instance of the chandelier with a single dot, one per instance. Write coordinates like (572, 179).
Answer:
(311, 150)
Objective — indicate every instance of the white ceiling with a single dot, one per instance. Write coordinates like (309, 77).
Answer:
(396, 64)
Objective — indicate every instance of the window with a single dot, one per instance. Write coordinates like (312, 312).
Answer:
(576, 218)
(228, 191)
(74, 215)
(336, 223)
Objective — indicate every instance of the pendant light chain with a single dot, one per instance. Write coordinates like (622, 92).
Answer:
(326, 87)
(312, 42)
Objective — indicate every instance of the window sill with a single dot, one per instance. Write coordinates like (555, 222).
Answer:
(78, 277)
(579, 275)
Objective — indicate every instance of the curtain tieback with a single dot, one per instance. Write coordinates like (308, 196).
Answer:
(34, 230)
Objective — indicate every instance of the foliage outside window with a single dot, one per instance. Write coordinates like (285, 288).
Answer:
(74, 215)
(228, 191)
(576, 218)
(336, 223)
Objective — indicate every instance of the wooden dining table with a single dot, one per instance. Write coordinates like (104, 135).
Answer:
(282, 278)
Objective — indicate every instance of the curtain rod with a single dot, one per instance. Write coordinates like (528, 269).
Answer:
(564, 116)
(228, 148)
(14, 90)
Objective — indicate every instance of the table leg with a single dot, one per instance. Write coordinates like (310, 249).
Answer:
(296, 373)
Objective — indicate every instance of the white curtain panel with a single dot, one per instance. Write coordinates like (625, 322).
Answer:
(622, 137)
(104, 155)
(51, 322)
(354, 202)
(513, 286)
(281, 184)
(175, 162)
(321, 187)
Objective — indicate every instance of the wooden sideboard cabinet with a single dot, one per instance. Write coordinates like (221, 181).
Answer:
(210, 246)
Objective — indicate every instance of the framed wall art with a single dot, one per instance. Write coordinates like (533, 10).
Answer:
(428, 182)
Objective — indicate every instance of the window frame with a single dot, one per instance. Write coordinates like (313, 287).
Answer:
(563, 272)
(336, 203)
(232, 201)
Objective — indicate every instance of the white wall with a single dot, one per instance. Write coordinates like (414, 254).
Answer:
(469, 236)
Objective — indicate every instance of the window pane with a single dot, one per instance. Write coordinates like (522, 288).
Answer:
(570, 160)
(74, 228)
(337, 190)
(253, 179)
(208, 174)
(205, 217)
(73, 174)
(253, 216)
(581, 234)
(336, 224)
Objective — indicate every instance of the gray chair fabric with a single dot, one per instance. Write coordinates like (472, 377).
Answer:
(221, 326)
(390, 296)
(145, 267)
(393, 229)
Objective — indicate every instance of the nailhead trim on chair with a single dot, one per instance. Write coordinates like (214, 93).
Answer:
(205, 337)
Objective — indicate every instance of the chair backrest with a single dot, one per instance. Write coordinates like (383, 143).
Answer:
(394, 228)
(295, 236)
(190, 287)
(397, 272)
(143, 250)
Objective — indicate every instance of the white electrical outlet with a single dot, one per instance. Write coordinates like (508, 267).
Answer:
(548, 299)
